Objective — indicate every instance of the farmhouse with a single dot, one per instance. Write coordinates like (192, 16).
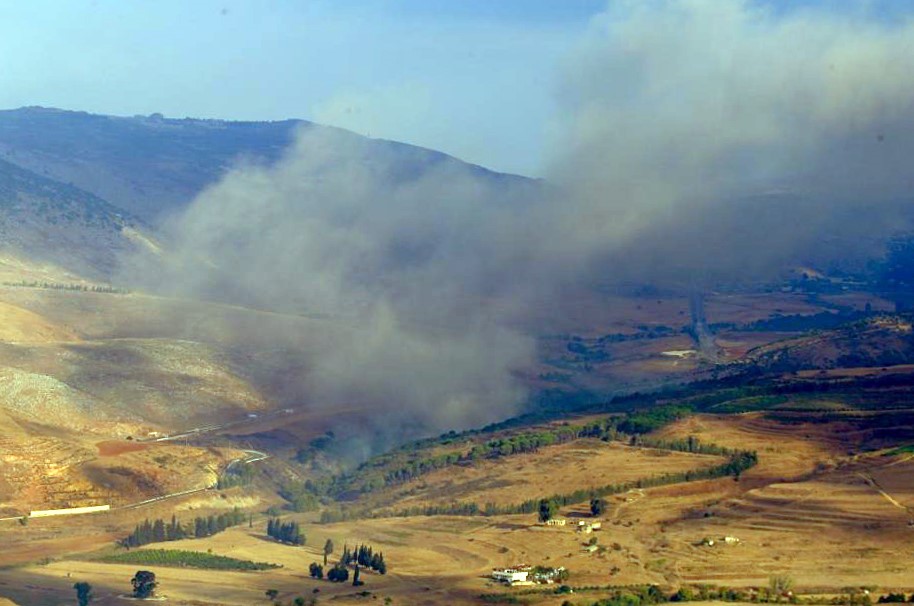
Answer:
(511, 576)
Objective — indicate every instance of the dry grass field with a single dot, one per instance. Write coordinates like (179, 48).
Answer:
(81, 371)
(810, 509)
(580, 464)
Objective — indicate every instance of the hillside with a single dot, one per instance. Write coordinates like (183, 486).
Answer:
(49, 224)
(879, 341)
(151, 165)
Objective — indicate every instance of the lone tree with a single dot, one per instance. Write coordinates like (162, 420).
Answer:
(271, 593)
(83, 593)
(597, 506)
(328, 549)
(144, 584)
(547, 510)
(355, 578)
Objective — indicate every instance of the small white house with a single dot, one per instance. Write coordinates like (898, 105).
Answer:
(731, 540)
(510, 576)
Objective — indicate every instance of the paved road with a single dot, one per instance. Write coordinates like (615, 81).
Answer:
(253, 456)
(199, 431)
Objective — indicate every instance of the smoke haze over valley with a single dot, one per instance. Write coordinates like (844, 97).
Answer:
(700, 143)
(578, 302)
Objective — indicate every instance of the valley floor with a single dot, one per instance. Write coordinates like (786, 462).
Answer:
(811, 509)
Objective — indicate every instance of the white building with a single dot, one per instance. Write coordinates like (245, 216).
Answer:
(510, 576)
(556, 522)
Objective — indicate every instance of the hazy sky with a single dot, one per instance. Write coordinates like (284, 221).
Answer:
(474, 78)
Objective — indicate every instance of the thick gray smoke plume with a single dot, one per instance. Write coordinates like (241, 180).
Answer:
(721, 139)
(702, 141)
(338, 231)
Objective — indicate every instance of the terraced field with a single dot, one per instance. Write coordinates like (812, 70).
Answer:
(586, 463)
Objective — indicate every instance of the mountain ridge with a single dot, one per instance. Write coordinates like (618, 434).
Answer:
(151, 166)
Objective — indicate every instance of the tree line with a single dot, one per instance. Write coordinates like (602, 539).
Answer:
(159, 531)
(734, 466)
(236, 475)
(628, 428)
(285, 532)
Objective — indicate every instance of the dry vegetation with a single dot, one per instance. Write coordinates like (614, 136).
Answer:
(584, 463)
(80, 371)
(810, 509)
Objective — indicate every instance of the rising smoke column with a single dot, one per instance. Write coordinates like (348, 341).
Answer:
(722, 140)
(699, 142)
(396, 263)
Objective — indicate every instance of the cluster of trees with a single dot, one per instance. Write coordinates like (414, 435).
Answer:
(823, 320)
(777, 591)
(160, 530)
(285, 532)
(318, 444)
(237, 475)
(364, 555)
(335, 515)
(338, 574)
(645, 421)
(301, 496)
